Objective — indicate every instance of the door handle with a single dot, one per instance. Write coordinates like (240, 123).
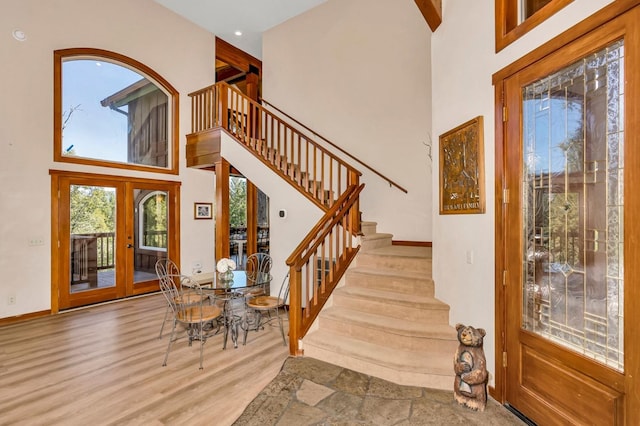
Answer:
(129, 245)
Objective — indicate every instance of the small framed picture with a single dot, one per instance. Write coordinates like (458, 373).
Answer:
(202, 210)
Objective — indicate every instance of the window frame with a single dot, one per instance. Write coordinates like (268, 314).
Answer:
(507, 28)
(59, 56)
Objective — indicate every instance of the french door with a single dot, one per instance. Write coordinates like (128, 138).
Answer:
(109, 233)
(568, 235)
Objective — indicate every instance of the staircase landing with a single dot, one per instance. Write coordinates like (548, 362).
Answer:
(385, 321)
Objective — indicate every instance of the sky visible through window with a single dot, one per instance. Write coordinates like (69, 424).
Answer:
(94, 131)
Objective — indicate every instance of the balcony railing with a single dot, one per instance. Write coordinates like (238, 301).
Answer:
(91, 252)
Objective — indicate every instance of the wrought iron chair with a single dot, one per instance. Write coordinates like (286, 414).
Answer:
(258, 265)
(267, 308)
(166, 267)
(191, 311)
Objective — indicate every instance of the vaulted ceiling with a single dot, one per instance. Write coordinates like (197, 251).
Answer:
(252, 17)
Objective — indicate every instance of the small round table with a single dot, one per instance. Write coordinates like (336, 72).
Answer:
(232, 294)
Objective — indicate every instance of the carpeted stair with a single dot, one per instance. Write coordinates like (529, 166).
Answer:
(385, 321)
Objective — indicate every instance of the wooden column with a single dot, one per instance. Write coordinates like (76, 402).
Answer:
(252, 218)
(222, 209)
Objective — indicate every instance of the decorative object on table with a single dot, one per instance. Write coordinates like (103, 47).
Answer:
(470, 366)
(462, 169)
(203, 210)
(225, 268)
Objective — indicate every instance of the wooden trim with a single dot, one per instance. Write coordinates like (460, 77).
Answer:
(412, 243)
(25, 317)
(222, 208)
(506, 24)
(631, 33)
(604, 15)
(431, 11)
(203, 148)
(55, 237)
(252, 219)
(392, 183)
(71, 173)
(500, 309)
(59, 56)
(237, 58)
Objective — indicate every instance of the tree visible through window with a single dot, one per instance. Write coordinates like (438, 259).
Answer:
(113, 111)
(153, 220)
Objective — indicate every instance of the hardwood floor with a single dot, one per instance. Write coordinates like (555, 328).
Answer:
(103, 365)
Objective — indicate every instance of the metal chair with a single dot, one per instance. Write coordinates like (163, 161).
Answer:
(166, 267)
(258, 265)
(267, 308)
(191, 311)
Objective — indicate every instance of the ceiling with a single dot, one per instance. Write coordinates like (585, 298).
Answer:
(224, 17)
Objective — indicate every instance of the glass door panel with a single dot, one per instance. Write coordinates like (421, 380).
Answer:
(573, 206)
(149, 236)
(92, 236)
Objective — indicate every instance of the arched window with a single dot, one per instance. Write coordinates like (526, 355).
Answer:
(152, 220)
(113, 111)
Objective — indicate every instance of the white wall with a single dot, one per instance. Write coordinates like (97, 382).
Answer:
(179, 51)
(301, 214)
(464, 59)
(359, 72)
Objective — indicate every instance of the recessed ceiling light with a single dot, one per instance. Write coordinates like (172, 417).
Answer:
(238, 33)
(19, 35)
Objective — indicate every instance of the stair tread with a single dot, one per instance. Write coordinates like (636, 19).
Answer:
(393, 297)
(437, 360)
(404, 327)
(403, 273)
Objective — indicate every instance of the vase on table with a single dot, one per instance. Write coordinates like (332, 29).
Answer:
(226, 278)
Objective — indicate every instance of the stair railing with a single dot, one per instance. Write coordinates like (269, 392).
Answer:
(321, 259)
(316, 172)
(389, 181)
(318, 263)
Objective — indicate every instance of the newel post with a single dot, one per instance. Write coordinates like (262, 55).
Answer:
(295, 310)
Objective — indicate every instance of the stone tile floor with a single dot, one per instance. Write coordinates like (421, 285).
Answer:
(312, 392)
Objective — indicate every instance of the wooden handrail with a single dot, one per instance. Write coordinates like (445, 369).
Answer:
(325, 253)
(312, 169)
(391, 182)
(318, 228)
(318, 263)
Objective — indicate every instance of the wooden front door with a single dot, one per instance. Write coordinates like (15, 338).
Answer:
(568, 231)
(109, 233)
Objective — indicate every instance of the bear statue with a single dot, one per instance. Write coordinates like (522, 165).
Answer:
(470, 366)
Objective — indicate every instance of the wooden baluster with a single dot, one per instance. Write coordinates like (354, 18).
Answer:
(299, 161)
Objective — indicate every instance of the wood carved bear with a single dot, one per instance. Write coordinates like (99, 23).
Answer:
(470, 366)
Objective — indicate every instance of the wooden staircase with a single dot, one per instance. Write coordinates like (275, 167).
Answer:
(385, 321)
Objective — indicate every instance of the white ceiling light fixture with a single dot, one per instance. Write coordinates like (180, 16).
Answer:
(19, 35)
(238, 33)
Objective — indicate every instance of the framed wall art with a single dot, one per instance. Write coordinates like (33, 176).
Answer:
(462, 169)
(203, 210)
